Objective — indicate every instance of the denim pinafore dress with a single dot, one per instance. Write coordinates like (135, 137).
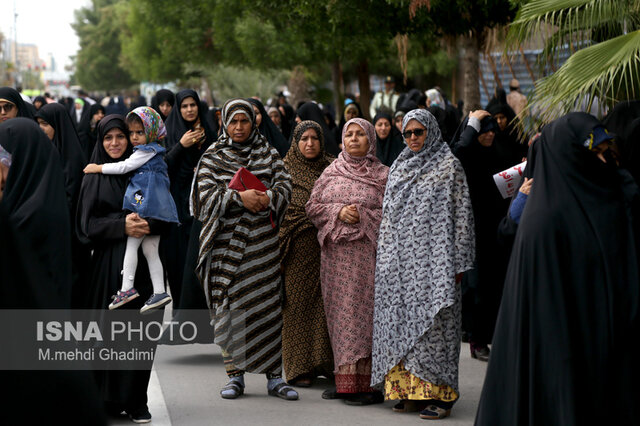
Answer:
(148, 191)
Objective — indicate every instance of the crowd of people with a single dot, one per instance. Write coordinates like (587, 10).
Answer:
(361, 251)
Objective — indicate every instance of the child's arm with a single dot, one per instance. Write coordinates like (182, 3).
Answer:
(93, 168)
(132, 163)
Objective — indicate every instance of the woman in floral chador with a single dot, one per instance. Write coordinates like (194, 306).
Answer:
(426, 242)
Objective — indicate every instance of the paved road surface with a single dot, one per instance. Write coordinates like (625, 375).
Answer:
(186, 381)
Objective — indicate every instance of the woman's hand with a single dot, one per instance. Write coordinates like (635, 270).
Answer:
(255, 201)
(192, 137)
(135, 226)
(479, 114)
(526, 186)
(93, 168)
(349, 214)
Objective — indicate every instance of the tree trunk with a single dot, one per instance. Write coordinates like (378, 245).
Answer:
(365, 89)
(470, 65)
(204, 87)
(338, 84)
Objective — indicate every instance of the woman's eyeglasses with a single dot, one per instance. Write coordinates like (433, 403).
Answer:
(418, 132)
(6, 107)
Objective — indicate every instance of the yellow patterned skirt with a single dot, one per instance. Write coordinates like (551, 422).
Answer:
(401, 384)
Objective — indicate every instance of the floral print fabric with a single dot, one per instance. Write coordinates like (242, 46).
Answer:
(154, 127)
(426, 238)
(401, 384)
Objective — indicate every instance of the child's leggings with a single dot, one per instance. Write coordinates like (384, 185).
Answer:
(150, 245)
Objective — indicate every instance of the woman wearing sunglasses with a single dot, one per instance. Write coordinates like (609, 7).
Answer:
(12, 105)
(426, 243)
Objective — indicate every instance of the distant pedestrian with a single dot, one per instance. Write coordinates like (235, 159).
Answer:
(515, 98)
(386, 99)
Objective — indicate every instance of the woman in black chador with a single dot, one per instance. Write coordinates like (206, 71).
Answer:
(565, 345)
(188, 137)
(35, 273)
(57, 125)
(103, 224)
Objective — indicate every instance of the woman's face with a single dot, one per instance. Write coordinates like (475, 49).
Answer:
(239, 128)
(7, 110)
(115, 143)
(298, 119)
(383, 128)
(350, 113)
(356, 142)
(37, 105)
(398, 122)
(486, 139)
(502, 121)
(189, 109)
(46, 128)
(603, 150)
(414, 141)
(256, 111)
(309, 144)
(99, 115)
(165, 108)
(275, 117)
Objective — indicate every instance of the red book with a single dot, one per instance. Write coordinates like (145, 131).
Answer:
(243, 180)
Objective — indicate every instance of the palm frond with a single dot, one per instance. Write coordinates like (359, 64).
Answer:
(574, 17)
(606, 71)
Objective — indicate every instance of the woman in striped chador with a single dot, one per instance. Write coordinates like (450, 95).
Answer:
(239, 258)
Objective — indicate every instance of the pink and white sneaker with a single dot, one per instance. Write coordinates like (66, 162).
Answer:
(123, 297)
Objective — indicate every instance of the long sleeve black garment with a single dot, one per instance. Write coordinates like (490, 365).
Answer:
(484, 282)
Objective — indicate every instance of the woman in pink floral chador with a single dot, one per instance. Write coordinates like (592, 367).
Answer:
(346, 207)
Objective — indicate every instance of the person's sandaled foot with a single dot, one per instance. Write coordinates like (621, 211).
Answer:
(365, 398)
(433, 412)
(284, 391)
(408, 406)
(333, 394)
(232, 390)
(302, 382)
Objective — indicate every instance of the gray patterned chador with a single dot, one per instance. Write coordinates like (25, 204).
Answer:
(426, 241)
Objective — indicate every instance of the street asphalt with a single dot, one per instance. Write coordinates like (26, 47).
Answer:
(186, 381)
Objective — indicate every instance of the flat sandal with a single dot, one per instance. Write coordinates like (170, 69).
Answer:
(234, 386)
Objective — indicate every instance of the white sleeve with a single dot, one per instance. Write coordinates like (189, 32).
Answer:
(136, 160)
(475, 123)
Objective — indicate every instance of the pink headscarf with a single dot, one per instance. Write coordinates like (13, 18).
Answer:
(367, 169)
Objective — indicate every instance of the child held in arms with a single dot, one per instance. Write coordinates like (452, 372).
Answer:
(148, 196)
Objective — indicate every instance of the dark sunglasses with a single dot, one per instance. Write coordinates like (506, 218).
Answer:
(7, 107)
(417, 132)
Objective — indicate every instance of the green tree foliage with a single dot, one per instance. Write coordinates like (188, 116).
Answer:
(607, 68)
(97, 64)
(465, 19)
(230, 81)
(162, 38)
